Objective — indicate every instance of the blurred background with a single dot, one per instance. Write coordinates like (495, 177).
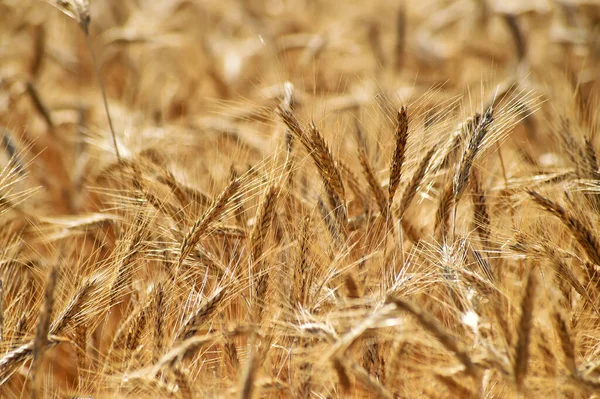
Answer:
(206, 68)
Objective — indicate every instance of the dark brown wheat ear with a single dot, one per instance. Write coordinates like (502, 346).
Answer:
(398, 156)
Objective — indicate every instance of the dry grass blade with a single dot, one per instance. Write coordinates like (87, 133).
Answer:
(522, 349)
(434, 327)
(584, 236)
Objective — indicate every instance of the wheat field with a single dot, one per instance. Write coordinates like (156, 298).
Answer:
(299, 198)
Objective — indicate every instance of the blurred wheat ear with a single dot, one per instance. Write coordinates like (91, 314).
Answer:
(79, 10)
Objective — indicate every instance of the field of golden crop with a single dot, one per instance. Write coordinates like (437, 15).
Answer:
(299, 198)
